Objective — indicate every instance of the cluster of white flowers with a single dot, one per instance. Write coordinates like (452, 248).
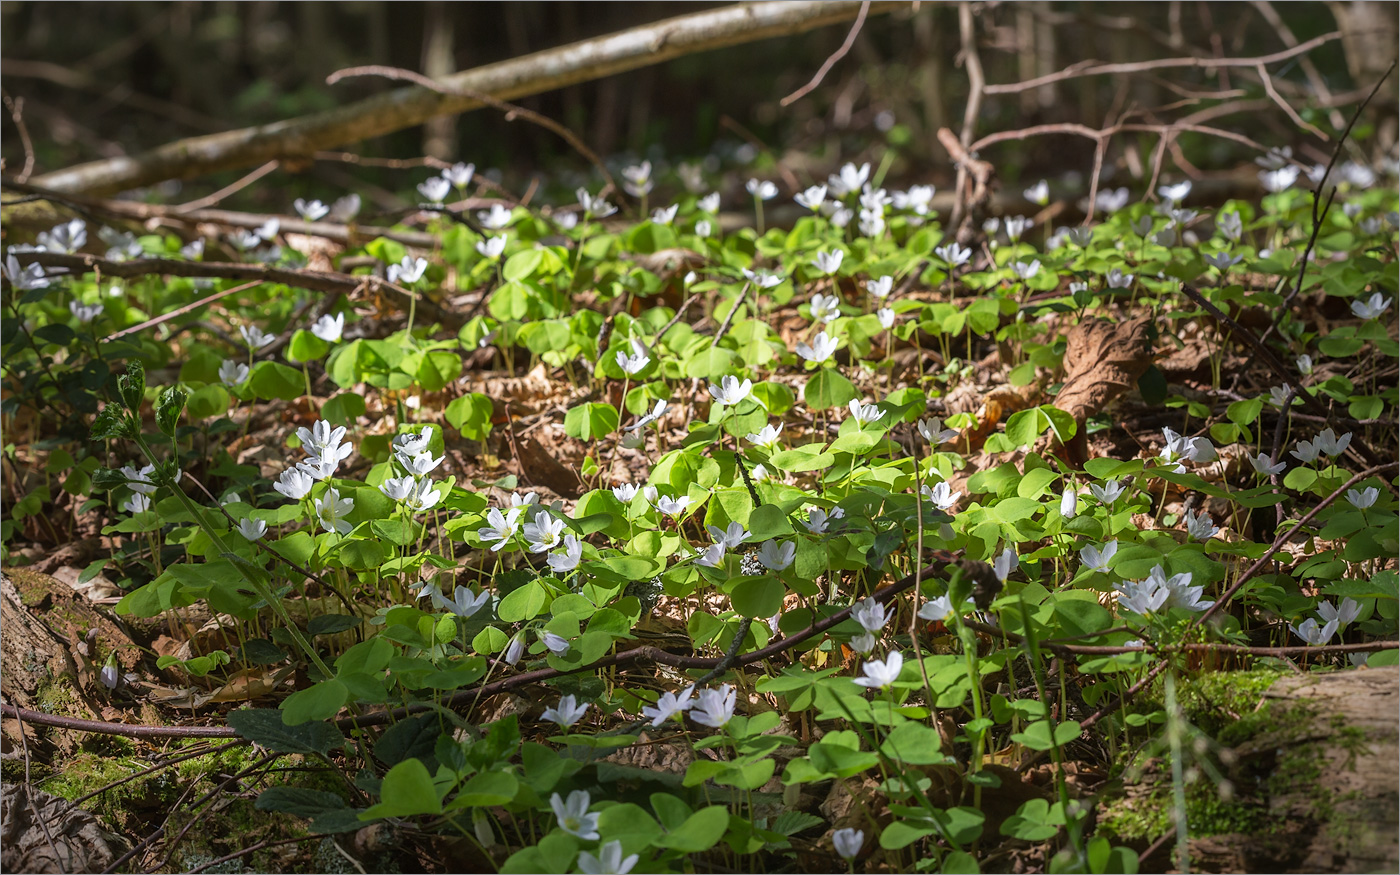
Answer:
(1158, 591)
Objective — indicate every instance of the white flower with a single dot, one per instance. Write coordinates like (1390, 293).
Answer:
(1280, 179)
(139, 481)
(821, 349)
(714, 708)
(879, 675)
(864, 414)
(608, 862)
(828, 262)
(1175, 193)
(251, 529)
(1180, 592)
(850, 179)
(1306, 452)
(874, 199)
(1344, 616)
(514, 650)
(1141, 597)
(653, 416)
(637, 179)
(254, 337)
(1069, 502)
(1016, 226)
(1304, 363)
(544, 533)
(812, 198)
(730, 390)
(825, 308)
(137, 503)
(1223, 260)
(1112, 200)
(730, 536)
(321, 437)
(568, 560)
(880, 288)
(668, 706)
(762, 189)
(397, 488)
(556, 644)
(1198, 450)
(463, 603)
(937, 609)
(1200, 526)
(66, 238)
(435, 189)
(953, 255)
(1230, 225)
(1108, 492)
(329, 328)
(408, 271)
(565, 221)
(419, 464)
(871, 224)
(232, 373)
(709, 203)
(777, 556)
(933, 431)
(294, 483)
(632, 364)
(1026, 271)
(818, 519)
(109, 676)
(649, 494)
(310, 211)
(869, 614)
(1119, 280)
(666, 215)
(942, 495)
(760, 473)
(594, 206)
(711, 556)
(918, 199)
(491, 247)
(1005, 563)
(1098, 558)
(1264, 465)
(1363, 498)
(566, 713)
(702, 229)
(85, 313)
(1311, 633)
(500, 526)
(625, 493)
(673, 506)
(761, 278)
(886, 317)
(423, 496)
(331, 511)
(1328, 442)
(321, 466)
(863, 643)
(412, 444)
(1377, 304)
(459, 174)
(848, 842)
(345, 208)
(1038, 193)
(573, 815)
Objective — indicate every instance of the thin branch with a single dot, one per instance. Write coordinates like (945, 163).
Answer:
(1164, 63)
(830, 61)
(1283, 104)
(180, 311)
(16, 108)
(211, 199)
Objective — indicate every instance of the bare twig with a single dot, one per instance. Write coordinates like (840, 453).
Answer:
(830, 61)
(547, 70)
(1161, 64)
(1285, 34)
(16, 108)
(180, 311)
(510, 109)
(210, 200)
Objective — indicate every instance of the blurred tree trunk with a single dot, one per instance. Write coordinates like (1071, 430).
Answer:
(440, 132)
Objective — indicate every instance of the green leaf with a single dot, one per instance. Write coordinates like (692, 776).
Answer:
(1029, 823)
(524, 603)
(405, 791)
(700, 831)
(488, 788)
(590, 421)
(758, 596)
(306, 347)
(272, 380)
(265, 727)
(317, 702)
(1038, 736)
(343, 409)
(330, 624)
(299, 801)
(522, 264)
(827, 389)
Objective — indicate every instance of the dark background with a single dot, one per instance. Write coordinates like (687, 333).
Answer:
(105, 79)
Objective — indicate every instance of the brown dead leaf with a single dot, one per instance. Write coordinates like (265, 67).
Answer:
(1102, 361)
(245, 686)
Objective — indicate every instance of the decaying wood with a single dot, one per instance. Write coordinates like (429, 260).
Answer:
(300, 138)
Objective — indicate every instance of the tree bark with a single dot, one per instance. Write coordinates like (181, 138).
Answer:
(506, 80)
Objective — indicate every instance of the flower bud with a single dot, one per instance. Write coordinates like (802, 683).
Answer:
(132, 386)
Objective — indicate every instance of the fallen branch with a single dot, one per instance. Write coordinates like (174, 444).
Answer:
(830, 61)
(518, 77)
